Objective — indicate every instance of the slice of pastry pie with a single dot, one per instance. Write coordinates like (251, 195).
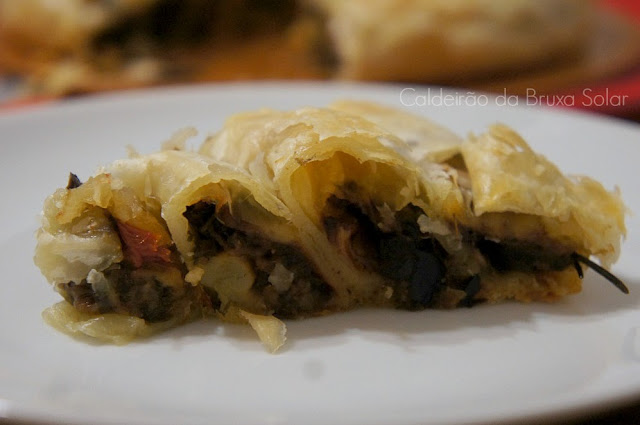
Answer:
(294, 214)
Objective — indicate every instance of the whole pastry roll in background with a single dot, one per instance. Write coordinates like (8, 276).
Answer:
(433, 40)
(74, 46)
(291, 214)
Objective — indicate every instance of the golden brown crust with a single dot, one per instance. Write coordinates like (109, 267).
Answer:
(527, 287)
(508, 176)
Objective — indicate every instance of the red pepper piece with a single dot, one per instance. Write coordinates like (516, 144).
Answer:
(142, 246)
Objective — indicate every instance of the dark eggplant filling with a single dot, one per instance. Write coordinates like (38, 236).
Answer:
(522, 256)
(214, 231)
(128, 291)
(417, 265)
(142, 285)
(73, 181)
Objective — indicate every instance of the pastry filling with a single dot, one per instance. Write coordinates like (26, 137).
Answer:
(154, 293)
(148, 283)
(243, 267)
(420, 264)
(276, 278)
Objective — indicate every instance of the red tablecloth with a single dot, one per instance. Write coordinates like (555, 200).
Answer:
(619, 96)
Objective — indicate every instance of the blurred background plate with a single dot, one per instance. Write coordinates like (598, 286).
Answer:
(603, 76)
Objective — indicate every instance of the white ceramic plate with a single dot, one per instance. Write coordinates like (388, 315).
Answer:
(486, 364)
